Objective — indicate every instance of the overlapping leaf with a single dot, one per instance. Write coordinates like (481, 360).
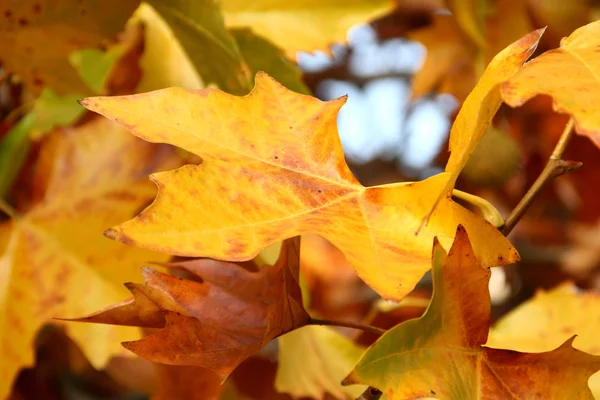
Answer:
(441, 354)
(542, 323)
(215, 323)
(37, 37)
(54, 262)
(302, 25)
(483, 102)
(274, 168)
(579, 58)
(313, 361)
(198, 25)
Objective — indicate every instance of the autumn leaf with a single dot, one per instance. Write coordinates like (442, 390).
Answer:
(164, 61)
(185, 382)
(577, 56)
(542, 323)
(54, 262)
(218, 322)
(302, 25)
(481, 105)
(262, 55)
(38, 36)
(448, 56)
(198, 25)
(455, 56)
(274, 168)
(441, 354)
(313, 361)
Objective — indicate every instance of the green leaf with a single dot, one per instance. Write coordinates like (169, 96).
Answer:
(13, 152)
(262, 55)
(198, 25)
(94, 66)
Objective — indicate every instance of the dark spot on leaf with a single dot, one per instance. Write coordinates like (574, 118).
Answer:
(8, 13)
(432, 392)
(500, 258)
(37, 8)
(38, 81)
(277, 158)
(320, 191)
(83, 12)
(23, 22)
(291, 127)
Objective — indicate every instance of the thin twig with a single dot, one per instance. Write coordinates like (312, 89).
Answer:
(346, 324)
(555, 167)
(370, 394)
(7, 209)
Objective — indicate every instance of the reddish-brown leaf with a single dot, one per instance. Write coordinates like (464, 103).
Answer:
(217, 320)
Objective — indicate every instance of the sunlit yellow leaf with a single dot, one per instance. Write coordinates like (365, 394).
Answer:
(55, 263)
(302, 25)
(313, 360)
(578, 59)
(274, 168)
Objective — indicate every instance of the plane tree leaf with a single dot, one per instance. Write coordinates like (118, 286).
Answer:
(262, 55)
(54, 262)
(543, 322)
(199, 28)
(274, 168)
(218, 319)
(38, 36)
(164, 62)
(441, 354)
(313, 361)
(481, 105)
(302, 25)
(579, 57)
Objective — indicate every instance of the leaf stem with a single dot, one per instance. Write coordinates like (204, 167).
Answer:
(7, 209)
(555, 167)
(346, 324)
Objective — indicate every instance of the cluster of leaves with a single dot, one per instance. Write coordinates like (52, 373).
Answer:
(272, 169)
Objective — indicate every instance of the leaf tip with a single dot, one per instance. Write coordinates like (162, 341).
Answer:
(111, 233)
(349, 380)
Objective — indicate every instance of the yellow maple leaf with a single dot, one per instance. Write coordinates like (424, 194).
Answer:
(481, 105)
(579, 96)
(313, 360)
(54, 263)
(302, 25)
(274, 168)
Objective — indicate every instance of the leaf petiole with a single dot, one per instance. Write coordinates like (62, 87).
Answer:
(555, 167)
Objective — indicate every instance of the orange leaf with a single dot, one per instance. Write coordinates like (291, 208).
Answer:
(274, 168)
(542, 322)
(54, 262)
(218, 322)
(441, 353)
(184, 382)
(578, 58)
